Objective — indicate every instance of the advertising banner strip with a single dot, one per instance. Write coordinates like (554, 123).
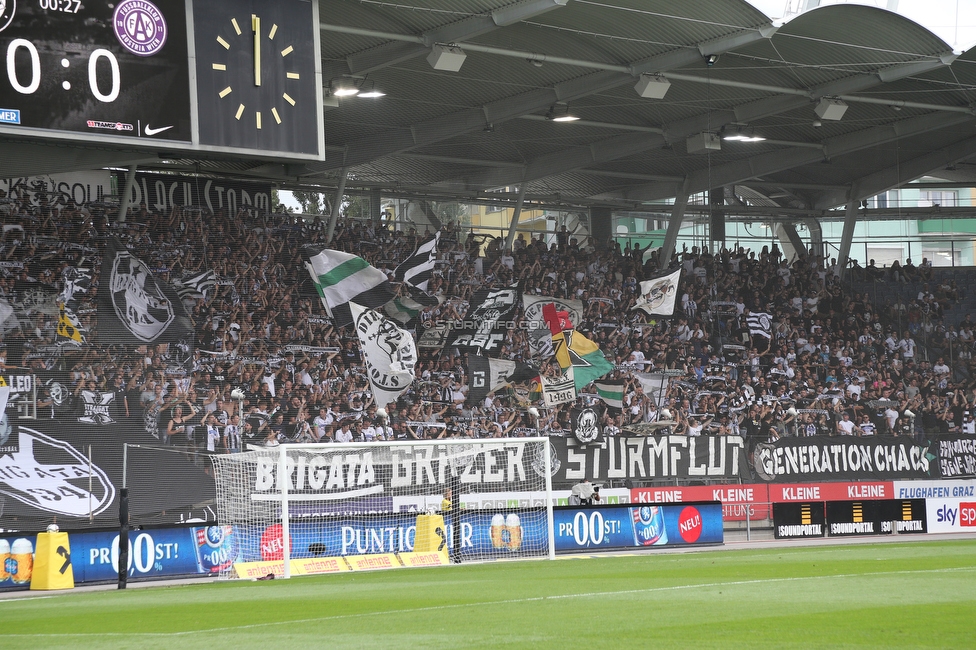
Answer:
(605, 528)
(373, 562)
(304, 567)
(739, 502)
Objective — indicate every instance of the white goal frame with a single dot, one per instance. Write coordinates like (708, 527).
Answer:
(281, 494)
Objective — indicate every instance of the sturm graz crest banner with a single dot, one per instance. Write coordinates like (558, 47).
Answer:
(586, 425)
(134, 307)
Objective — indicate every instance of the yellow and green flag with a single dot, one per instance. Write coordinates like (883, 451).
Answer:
(573, 350)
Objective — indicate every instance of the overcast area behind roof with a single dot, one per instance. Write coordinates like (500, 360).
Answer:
(954, 21)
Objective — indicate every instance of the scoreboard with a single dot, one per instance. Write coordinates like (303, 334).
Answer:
(240, 76)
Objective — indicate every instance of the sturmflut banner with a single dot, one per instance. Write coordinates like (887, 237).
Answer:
(649, 457)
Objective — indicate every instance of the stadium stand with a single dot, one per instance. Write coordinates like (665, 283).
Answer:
(896, 357)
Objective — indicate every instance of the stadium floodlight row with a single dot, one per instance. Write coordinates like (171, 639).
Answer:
(325, 501)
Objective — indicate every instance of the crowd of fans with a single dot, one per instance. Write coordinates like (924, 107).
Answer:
(268, 367)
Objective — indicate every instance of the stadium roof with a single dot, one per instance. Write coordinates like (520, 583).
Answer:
(486, 129)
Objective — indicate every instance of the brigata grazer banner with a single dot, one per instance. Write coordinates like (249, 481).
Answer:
(649, 458)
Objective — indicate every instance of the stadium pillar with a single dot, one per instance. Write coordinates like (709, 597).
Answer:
(850, 220)
(601, 226)
(716, 218)
(816, 235)
(674, 225)
(510, 238)
(336, 204)
(130, 178)
(375, 213)
(790, 241)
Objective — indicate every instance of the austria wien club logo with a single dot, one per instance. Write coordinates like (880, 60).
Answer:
(140, 27)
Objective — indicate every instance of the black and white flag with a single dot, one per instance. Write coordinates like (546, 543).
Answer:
(134, 307)
(586, 425)
(559, 390)
(760, 324)
(658, 295)
(483, 330)
(417, 269)
(95, 407)
(74, 281)
(390, 354)
(195, 286)
(487, 375)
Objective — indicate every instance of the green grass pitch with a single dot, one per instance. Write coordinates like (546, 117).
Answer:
(918, 594)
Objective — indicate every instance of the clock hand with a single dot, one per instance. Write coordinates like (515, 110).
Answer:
(256, 28)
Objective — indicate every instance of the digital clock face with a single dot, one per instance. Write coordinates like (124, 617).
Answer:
(116, 69)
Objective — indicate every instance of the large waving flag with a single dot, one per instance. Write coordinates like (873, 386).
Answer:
(760, 324)
(134, 306)
(69, 328)
(486, 375)
(406, 308)
(341, 278)
(417, 269)
(194, 285)
(573, 350)
(658, 295)
(390, 354)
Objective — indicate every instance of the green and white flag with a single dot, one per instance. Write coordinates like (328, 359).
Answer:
(611, 392)
(341, 278)
(405, 309)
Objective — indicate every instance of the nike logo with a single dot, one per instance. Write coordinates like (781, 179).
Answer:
(152, 131)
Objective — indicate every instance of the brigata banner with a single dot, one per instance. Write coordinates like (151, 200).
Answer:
(648, 458)
(827, 458)
(337, 473)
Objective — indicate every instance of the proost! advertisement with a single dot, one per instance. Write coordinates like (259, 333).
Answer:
(637, 526)
(153, 553)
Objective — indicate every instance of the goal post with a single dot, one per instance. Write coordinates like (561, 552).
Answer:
(383, 502)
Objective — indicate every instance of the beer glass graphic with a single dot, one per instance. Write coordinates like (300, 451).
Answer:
(20, 564)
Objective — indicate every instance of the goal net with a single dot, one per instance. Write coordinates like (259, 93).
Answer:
(384, 502)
